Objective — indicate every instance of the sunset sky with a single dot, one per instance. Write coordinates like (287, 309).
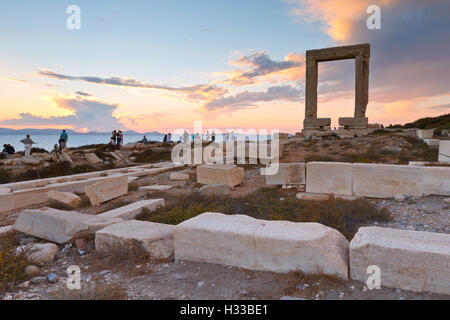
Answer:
(161, 65)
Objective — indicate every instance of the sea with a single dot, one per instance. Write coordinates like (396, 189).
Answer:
(47, 142)
(75, 140)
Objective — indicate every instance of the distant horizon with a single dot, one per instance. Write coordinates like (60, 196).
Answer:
(136, 65)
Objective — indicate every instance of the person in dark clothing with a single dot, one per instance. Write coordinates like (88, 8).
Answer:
(8, 149)
(165, 138)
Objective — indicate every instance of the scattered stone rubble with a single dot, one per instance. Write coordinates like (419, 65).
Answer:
(409, 260)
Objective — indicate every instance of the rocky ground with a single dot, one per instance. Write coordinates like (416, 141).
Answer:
(118, 279)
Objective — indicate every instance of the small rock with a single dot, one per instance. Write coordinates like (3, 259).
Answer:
(27, 240)
(7, 297)
(447, 200)
(24, 285)
(81, 244)
(243, 292)
(31, 271)
(66, 248)
(291, 298)
(399, 197)
(302, 286)
(200, 284)
(38, 280)
(364, 289)
(53, 278)
(40, 253)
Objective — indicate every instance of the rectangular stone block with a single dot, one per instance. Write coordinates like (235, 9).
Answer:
(155, 187)
(154, 238)
(329, 177)
(432, 142)
(278, 246)
(107, 189)
(436, 180)
(29, 197)
(386, 180)
(351, 121)
(130, 211)
(288, 173)
(6, 202)
(60, 226)
(316, 123)
(229, 174)
(425, 133)
(444, 151)
(93, 159)
(409, 260)
(66, 199)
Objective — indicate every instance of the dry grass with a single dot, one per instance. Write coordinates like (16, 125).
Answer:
(344, 215)
(150, 156)
(12, 262)
(293, 279)
(122, 259)
(113, 291)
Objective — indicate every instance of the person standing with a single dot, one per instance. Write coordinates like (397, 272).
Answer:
(185, 137)
(28, 144)
(169, 138)
(114, 136)
(63, 140)
(119, 138)
(213, 136)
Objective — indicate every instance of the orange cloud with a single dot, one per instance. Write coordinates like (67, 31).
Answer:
(338, 15)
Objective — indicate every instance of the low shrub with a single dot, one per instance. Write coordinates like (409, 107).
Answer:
(12, 262)
(344, 215)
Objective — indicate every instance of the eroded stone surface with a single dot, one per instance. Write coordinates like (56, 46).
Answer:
(329, 177)
(386, 180)
(107, 189)
(229, 174)
(278, 246)
(130, 211)
(66, 199)
(60, 226)
(154, 238)
(288, 173)
(409, 260)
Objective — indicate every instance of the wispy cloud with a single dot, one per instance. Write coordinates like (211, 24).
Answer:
(259, 66)
(248, 99)
(197, 92)
(86, 114)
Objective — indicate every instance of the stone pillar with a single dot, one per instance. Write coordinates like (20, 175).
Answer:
(359, 87)
(365, 99)
(311, 89)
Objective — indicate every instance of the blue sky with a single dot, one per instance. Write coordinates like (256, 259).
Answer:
(197, 50)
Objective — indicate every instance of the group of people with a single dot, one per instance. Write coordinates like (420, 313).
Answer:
(117, 138)
(210, 137)
(167, 138)
(8, 149)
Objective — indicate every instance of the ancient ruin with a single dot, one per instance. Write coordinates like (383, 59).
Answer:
(361, 54)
